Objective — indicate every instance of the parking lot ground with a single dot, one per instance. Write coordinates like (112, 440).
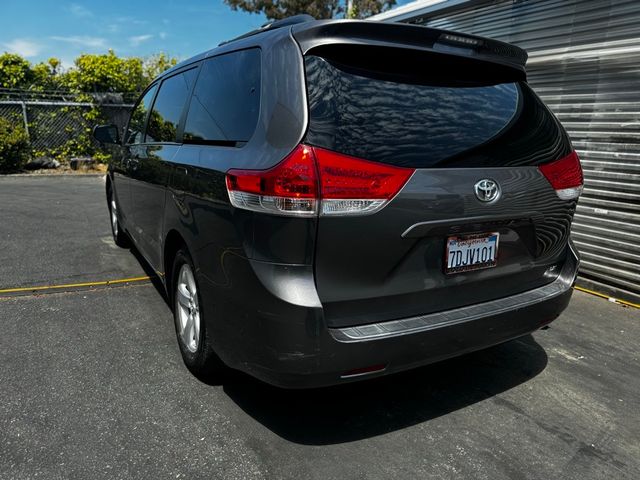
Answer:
(55, 230)
(92, 384)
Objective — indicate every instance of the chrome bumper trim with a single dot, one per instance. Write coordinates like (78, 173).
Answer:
(376, 331)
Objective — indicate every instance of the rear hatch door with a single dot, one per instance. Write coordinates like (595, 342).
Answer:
(463, 126)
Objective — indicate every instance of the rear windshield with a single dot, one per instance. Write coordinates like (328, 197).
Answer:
(428, 120)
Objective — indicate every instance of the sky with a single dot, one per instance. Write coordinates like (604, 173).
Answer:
(38, 29)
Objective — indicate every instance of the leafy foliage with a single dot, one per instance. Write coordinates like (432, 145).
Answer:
(91, 74)
(105, 73)
(366, 8)
(15, 71)
(46, 75)
(320, 9)
(14, 146)
(156, 64)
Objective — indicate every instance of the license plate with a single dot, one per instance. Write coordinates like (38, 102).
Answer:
(471, 252)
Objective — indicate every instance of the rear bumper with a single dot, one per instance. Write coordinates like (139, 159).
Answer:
(289, 346)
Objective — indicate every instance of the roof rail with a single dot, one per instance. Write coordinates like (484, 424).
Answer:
(285, 22)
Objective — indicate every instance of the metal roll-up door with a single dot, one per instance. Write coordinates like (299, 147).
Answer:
(584, 61)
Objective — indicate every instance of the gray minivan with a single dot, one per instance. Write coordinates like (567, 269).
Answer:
(334, 200)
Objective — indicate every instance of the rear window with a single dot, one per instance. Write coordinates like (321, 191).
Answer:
(428, 119)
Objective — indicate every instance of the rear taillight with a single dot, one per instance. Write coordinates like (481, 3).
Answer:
(289, 188)
(350, 185)
(312, 181)
(565, 176)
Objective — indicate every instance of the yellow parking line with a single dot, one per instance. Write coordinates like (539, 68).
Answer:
(76, 285)
(608, 297)
(106, 283)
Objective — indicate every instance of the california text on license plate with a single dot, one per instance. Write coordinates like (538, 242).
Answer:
(471, 252)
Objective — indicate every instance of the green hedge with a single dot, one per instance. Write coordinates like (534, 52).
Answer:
(14, 147)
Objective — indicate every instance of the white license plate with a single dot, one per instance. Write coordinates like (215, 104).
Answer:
(471, 252)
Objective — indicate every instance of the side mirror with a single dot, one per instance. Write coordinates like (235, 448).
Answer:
(106, 134)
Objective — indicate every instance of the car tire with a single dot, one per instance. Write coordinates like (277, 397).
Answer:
(194, 338)
(120, 237)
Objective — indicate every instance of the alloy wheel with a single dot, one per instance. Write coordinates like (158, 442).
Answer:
(188, 309)
(114, 217)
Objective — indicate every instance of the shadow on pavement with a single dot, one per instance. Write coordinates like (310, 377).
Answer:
(365, 409)
(370, 408)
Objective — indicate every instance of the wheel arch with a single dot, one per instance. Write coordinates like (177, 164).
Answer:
(173, 242)
(108, 184)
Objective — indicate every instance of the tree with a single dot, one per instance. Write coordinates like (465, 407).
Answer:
(105, 73)
(46, 75)
(90, 74)
(320, 9)
(122, 78)
(366, 8)
(110, 73)
(156, 64)
(15, 71)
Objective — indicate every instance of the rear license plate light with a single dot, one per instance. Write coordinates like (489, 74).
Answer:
(471, 252)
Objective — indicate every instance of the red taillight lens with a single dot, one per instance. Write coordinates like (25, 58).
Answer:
(565, 176)
(289, 188)
(343, 176)
(312, 180)
(295, 176)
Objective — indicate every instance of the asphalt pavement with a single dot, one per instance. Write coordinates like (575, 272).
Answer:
(92, 384)
(55, 229)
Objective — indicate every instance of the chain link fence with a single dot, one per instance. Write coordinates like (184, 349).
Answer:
(55, 120)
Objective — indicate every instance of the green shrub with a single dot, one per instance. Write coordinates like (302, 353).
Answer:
(14, 147)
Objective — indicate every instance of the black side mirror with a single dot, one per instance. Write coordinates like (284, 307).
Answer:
(106, 134)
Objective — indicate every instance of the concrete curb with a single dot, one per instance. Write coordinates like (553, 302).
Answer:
(49, 175)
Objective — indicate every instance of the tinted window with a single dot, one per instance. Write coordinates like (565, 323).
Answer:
(226, 101)
(168, 107)
(138, 117)
(428, 121)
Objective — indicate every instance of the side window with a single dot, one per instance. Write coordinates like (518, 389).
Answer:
(168, 107)
(135, 129)
(226, 100)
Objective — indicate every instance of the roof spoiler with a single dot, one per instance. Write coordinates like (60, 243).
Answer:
(400, 35)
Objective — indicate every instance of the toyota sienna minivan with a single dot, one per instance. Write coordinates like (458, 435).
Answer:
(328, 201)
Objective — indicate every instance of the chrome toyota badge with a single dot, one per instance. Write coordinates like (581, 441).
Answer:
(487, 190)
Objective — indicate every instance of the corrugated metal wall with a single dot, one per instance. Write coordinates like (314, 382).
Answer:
(584, 61)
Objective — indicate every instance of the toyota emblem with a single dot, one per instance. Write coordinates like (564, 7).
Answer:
(487, 190)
